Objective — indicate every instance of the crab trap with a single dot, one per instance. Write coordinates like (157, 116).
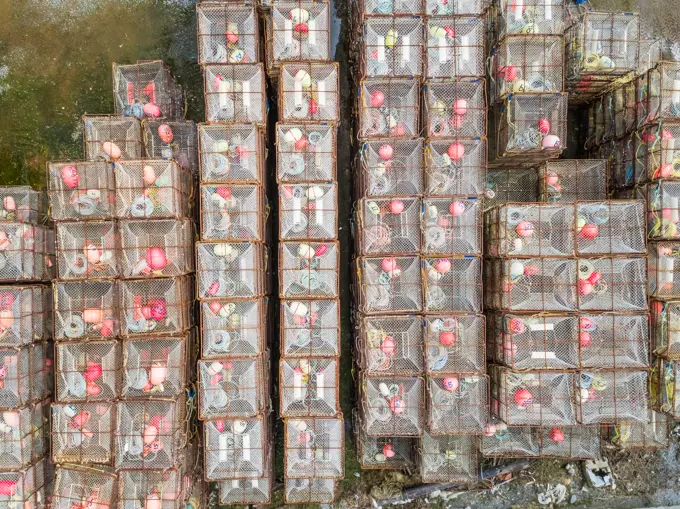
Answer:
(236, 448)
(25, 314)
(510, 185)
(158, 307)
(77, 487)
(611, 228)
(383, 8)
(612, 284)
(171, 140)
(392, 406)
(391, 47)
(390, 345)
(573, 442)
(249, 491)
(455, 108)
(502, 441)
(652, 435)
(233, 328)
(626, 170)
(82, 433)
(314, 447)
(24, 374)
(392, 167)
(625, 109)
(87, 371)
(306, 152)
(231, 154)
(568, 180)
(111, 138)
(455, 7)
(22, 204)
(85, 310)
(448, 458)
(227, 33)
(457, 404)
(310, 328)
(165, 489)
(155, 367)
(308, 211)
(150, 434)
(26, 435)
(230, 270)
(389, 107)
(452, 227)
(146, 89)
(455, 344)
(235, 93)
(27, 487)
(233, 212)
(662, 98)
(452, 284)
(454, 47)
(309, 387)
(81, 190)
(455, 166)
(87, 249)
(25, 252)
(388, 226)
(309, 270)
(663, 210)
(614, 340)
(531, 17)
(612, 396)
(666, 328)
(310, 490)
(309, 92)
(233, 387)
(657, 153)
(389, 285)
(383, 453)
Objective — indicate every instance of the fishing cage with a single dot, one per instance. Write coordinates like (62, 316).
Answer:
(657, 154)
(511, 185)
(81, 486)
(625, 109)
(537, 341)
(230, 270)
(233, 212)
(22, 204)
(531, 284)
(569, 180)
(310, 328)
(454, 47)
(25, 252)
(391, 46)
(314, 447)
(249, 491)
(150, 434)
(613, 227)
(531, 17)
(392, 167)
(306, 152)
(663, 93)
(609, 110)
(388, 226)
(612, 396)
(527, 64)
(233, 328)
(146, 89)
(614, 340)
(80, 190)
(665, 320)
(388, 285)
(231, 154)
(87, 249)
(652, 435)
(111, 138)
(155, 367)
(533, 398)
(448, 458)
(235, 93)
(82, 433)
(455, 7)
(390, 345)
(87, 371)
(573, 442)
(167, 489)
(452, 227)
(23, 376)
(309, 91)
(383, 453)
(236, 448)
(530, 125)
(156, 307)
(85, 310)
(26, 439)
(308, 211)
(309, 270)
(27, 486)
(172, 140)
(392, 406)
(626, 171)
(309, 387)
(25, 314)
(389, 107)
(455, 343)
(509, 442)
(453, 284)
(310, 490)
(457, 404)
(227, 33)
(663, 210)
(664, 387)
(367, 9)
(455, 166)
(612, 284)
(455, 108)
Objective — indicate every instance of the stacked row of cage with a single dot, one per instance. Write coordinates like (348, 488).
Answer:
(26, 351)
(234, 381)
(123, 301)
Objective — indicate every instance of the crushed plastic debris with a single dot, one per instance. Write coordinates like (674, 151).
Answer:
(598, 473)
(554, 494)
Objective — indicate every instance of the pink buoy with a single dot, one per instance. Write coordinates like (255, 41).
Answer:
(151, 110)
(585, 287)
(320, 250)
(150, 434)
(595, 277)
(525, 229)
(301, 143)
(12, 419)
(70, 177)
(313, 107)
(509, 72)
(447, 338)
(524, 398)
(586, 323)
(158, 309)
(556, 435)
(663, 171)
(443, 265)
(232, 37)
(399, 129)
(107, 328)
(377, 98)
(92, 254)
(148, 175)
(6, 300)
(516, 326)
(214, 288)
(93, 389)
(156, 258)
(585, 339)
(456, 151)
(223, 192)
(220, 426)
(396, 405)
(460, 107)
(388, 451)
(93, 372)
(8, 488)
(215, 307)
(9, 204)
(112, 150)
(6, 319)
(551, 141)
(450, 383)
(450, 31)
(544, 125)
(93, 315)
(457, 208)
(388, 346)
(389, 264)
(165, 133)
(396, 206)
(81, 419)
(589, 231)
(158, 373)
(385, 152)
(531, 270)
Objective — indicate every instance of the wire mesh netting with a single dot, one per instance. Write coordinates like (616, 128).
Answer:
(87, 371)
(392, 406)
(384, 453)
(625, 109)
(611, 396)
(568, 180)
(231, 154)
(448, 458)
(112, 138)
(22, 204)
(26, 438)
(391, 168)
(656, 154)
(168, 489)
(663, 93)
(235, 93)
(24, 375)
(82, 433)
(611, 228)
(666, 328)
(227, 34)
(146, 89)
(248, 491)
(24, 252)
(389, 107)
(390, 345)
(233, 328)
(388, 226)
(614, 340)
(455, 344)
(625, 168)
(638, 435)
(78, 486)
(452, 284)
(661, 266)
(612, 284)
(309, 387)
(310, 328)
(25, 314)
(309, 490)
(87, 249)
(308, 211)
(233, 270)
(314, 447)
(514, 185)
(575, 442)
(236, 448)
(85, 310)
(510, 442)
(454, 7)
(164, 139)
(392, 46)
(306, 152)
(28, 486)
(309, 269)
(299, 30)
(529, 17)
(154, 367)
(457, 404)
(232, 212)
(455, 166)
(370, 8)
(454, 47)
(456, 108)
(81, 190)
(663, 210)
(389, 285)
(309, 92)
(452, 227)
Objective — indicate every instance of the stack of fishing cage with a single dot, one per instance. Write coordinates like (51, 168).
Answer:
(123, 303)
(26, 264)
(232, 257)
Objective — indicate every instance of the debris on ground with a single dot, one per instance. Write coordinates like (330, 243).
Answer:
(554, 494)
(598, 473)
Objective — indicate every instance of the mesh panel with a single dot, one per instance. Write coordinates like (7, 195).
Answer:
(229, 270)
(618, 284)
(388, 226)
(231, 153)
(570, 442)
(232, 388)
(23, 204)
(455, 167)
(310, 328)
(457, 7)
(661, 266)
(154, 367)
(235, 93)
(393, 406)
(609, 116)
(85, 310)
(23, 375)
(25, 439)
(516, 185)
(666, 328)
(87, 371)
(457, 404)
(531, 17)
(166, 489)
(248, 491)
(25, 314)
(391, 345)
(171, 140)
(227, 34)
(112, 138)
(505, 442)
(389, 107)
(23, 250)
(612, 396)
(309, 387)
(87, 250)
(657, 151)
(452, 284)
(392, 47)
(314, 448)
(299, 31)
(456, 108)
(625, 114)
(399, 174)
(82, 433)
(139, 86)
(306, 152)
(75, 486)
(385, 453)
(663, 210)
(235, 449)
(391, 7)
(637, 435)
(455, 344)
(455, 47)
(309, 92)
(309, 270)
(625, 170)
(568, 180)
(81, 190)
(452, 227)
(448, 459)
(308, 211)
(310, 490)
(233, 328)
(663, 98)
(232, 212)
(611, 228)
(26, 487)
(389, 285)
